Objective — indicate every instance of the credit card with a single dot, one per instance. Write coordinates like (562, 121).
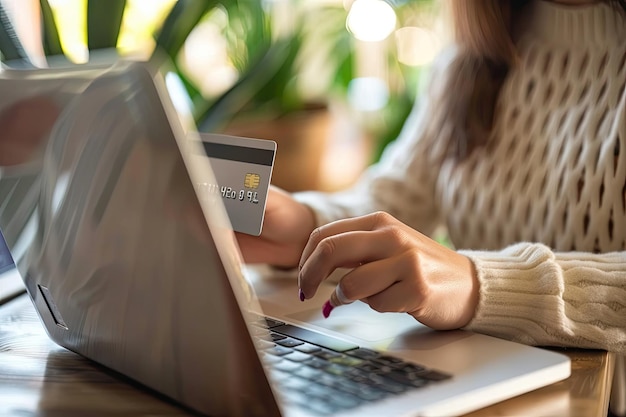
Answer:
(243, 171)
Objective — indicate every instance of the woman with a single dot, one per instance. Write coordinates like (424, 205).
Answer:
(519, 149)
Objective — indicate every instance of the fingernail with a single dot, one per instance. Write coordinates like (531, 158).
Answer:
(301, 295)
(327, 309)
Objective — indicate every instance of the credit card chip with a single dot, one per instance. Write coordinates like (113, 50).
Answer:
(252, 181)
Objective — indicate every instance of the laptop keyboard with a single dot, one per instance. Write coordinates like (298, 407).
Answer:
(325, 375)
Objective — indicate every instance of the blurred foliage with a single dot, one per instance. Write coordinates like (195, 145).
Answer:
(269, 65)
(10, 46)
(265, 65)
(407, 80)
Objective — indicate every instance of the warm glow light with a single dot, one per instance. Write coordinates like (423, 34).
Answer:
(417, 46)
(205, 60)
(371, 20)
(368, 94)
(71, 21)
(141, 20)
(180, 99)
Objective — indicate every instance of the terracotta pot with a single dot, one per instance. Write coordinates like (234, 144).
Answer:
(301, 139)
(317, 149)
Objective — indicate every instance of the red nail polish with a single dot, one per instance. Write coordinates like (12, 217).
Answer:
(327, 309)
(301, 295)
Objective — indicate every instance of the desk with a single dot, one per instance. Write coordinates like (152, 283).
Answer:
(39, 378)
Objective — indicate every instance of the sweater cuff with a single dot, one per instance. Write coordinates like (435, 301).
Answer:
(323, 211)
(518, 292)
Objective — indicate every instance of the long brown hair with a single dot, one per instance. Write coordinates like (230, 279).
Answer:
(484, 31)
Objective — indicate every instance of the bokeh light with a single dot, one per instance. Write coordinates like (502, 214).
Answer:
(417, 46)
(371, 20)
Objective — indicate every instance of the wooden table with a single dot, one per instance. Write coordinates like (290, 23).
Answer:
(39, 378)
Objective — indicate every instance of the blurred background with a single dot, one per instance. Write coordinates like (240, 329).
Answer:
(331, 81)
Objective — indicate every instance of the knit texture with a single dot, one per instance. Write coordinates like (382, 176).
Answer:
(541, 210)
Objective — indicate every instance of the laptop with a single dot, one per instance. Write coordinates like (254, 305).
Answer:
(10, 281)
(130, 267)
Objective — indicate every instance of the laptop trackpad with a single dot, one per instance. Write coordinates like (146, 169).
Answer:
(360, 321)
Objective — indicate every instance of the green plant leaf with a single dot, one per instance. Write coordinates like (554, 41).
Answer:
(246, 22)
(10, 45)
(395, 115)
(246, 89)
(192, 90)
(179, 23)
(247, 25)
(104, 20)
(277, 87)
(181, 20)
(50, 33)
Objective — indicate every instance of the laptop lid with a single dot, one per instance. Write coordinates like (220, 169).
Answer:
(6, 261)
(122, 263)
(10, 280)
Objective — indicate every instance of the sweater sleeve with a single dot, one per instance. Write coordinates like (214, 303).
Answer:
(403, 182)
(532, 295)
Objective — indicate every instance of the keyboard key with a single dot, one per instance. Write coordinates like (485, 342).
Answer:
(298, 357)
(289, 342)
(271, 323)
(364, 353)
(412, 367)
(275, 336)
(335, 369)
(390, 386)
(346, 361)
(435, 375)
(270, 359)
(371, 367)
(318, 363)
(344, 401)
(319, 391)
(296, 383)
(286, 366)
(278, 350)
(323, 408)
(315, 338)
(389, 360)
(327, 354)
(406, 379)
(308, 348)
(307, 372)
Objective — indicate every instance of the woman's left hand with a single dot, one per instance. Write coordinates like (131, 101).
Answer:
(395, 269)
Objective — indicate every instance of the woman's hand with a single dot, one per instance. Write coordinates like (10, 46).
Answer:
(396, 269)
(286, 228)
(23, 127)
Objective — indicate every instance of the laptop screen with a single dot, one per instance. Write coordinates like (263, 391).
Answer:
(6, 261)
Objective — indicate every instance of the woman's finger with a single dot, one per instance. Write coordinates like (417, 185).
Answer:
(365, 223)
(344, 250)
(367, 280)
(397, 298)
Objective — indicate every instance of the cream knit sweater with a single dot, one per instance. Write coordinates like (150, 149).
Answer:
(541, 211)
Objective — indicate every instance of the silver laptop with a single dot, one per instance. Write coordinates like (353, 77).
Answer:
(10, 280)
(128, 266)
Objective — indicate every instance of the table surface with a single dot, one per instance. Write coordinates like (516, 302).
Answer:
(39, 378)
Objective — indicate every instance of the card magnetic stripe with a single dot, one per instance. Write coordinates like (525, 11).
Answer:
(239, 153)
